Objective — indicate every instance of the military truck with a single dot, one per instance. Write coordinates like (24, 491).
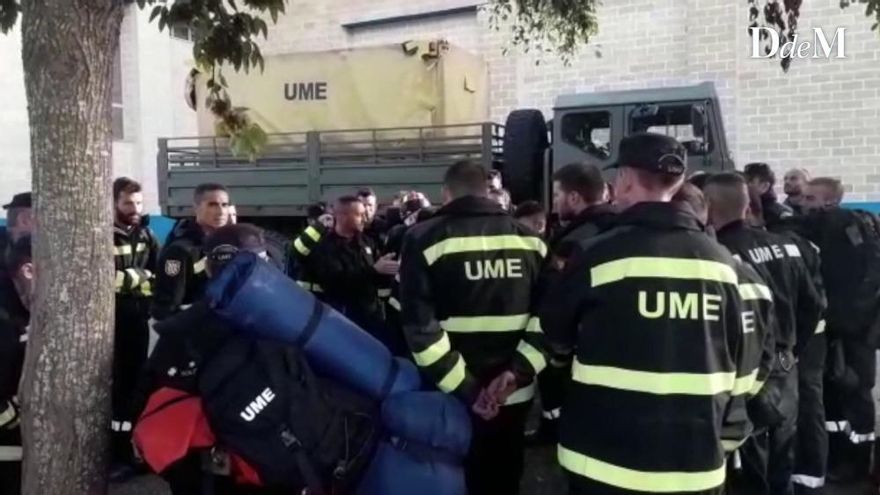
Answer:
(298, 169)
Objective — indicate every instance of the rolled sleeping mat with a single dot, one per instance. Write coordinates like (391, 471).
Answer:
(428, 438)
(260, 300)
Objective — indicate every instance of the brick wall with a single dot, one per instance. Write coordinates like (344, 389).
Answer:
(822, 114)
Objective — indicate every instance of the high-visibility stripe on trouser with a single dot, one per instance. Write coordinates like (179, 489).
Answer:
(654, 383)
(552, 414)
(454, 377)
(808, 481)
(644, 481)
(10, 453)
(433, 352)
(8, 415)
(120, 426)
(470, 324)
(532, 355)
(522, 395)
(658, 267)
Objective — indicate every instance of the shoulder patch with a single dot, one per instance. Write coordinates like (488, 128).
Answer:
(172, 268)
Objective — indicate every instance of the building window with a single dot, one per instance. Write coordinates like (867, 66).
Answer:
(118, 117)
(182, 32)
(589, 132)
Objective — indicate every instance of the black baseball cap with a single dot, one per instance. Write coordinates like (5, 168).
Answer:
(652, 152)
(20, 200)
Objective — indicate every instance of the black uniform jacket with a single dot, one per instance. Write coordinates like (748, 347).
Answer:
(661, 321)
(468, 282)
(135, 253)
(14, 320)
(180, 274)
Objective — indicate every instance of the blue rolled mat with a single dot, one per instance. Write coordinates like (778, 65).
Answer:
(260, 300)
(429, 435)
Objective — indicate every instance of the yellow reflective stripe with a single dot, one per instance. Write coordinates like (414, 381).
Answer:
(383, 293)
(454, 378)
(147, 288)
(534, 325)
(120, 279)
(8, 415)
(521, 395)
(313, 233)
(199, 266)
(820, 328)
(141, 247)
(534, 357)
(122, 250)
(467, 324)
(643, 481)
(309, 286)
(652, 382)
(135, 277)
(756, 388)
(752, 292)
(455, 245)
(678, 268)
(433, 352)
(731, 445)
(745, 384)
(394, 303)
(300, 247)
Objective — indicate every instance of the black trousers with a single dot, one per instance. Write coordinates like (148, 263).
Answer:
(132, 338)
(494, 464)
(849, 407)
(811, 452)
(768, 455)
(551, 385)
(10, 477)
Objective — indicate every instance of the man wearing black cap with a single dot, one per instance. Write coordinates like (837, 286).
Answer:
(651, 311)
(19, 223)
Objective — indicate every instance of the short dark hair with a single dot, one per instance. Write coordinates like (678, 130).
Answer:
(316, 210)
(729, 193)
(347, 200)
(125, 185)
(583, 179)
(466, 178)
(760, 171)
(693, 196)
(832, 184)
(224, 243)
(365, 192)
(529, 208)
(656, 180)
(203, 189)
(19, 254)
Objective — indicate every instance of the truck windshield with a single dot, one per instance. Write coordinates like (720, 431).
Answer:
(672, 120)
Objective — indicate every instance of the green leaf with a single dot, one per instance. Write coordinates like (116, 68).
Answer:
(156, 11)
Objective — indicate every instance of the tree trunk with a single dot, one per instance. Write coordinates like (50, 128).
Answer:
(68, 49)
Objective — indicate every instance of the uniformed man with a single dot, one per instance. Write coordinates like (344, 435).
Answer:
(304, 243)
(795, 182)
(798, 306)
(375, 226)
(180, 276)
(761, 180)
(19, 223)
(467, 283)
(653, 310)
(580, 201)
(849, 246)
(16, 290)
(135, 250)
(349, 269)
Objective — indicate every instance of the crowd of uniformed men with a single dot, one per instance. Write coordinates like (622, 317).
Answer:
(675, 327)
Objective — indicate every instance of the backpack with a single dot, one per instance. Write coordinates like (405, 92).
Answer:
(850, 251)
(297, 430)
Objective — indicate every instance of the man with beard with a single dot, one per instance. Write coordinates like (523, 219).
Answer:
(795, 182)
(580, 198)
(181, 274)
(135, 251)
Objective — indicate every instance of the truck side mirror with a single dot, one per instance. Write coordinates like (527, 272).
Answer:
(699, 121)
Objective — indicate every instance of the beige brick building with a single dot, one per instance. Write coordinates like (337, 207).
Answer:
(823, 114)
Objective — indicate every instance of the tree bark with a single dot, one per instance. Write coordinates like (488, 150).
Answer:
(68, 49)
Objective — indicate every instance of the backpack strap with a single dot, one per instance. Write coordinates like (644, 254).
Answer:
(310, 475)
(312, 325)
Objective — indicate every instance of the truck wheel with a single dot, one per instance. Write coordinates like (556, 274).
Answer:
(525, 139)
(278, 248)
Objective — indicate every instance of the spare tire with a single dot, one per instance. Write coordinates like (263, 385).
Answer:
(525, 139)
